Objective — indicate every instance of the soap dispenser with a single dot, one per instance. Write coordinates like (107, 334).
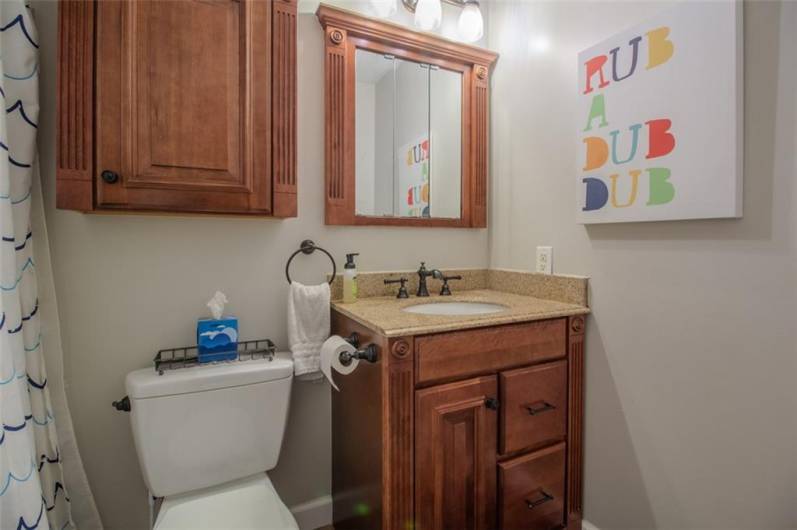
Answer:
(350, 280)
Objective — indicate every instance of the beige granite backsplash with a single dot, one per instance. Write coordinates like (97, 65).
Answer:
(567, 289)
(370, 284)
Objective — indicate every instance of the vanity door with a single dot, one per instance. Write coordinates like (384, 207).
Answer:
(176, 109)
(455, 455)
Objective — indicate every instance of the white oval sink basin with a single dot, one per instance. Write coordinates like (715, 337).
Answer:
(455, 308)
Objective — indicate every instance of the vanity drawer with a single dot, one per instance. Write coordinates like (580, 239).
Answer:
(532, 490)
(459, 354)
(533, 406)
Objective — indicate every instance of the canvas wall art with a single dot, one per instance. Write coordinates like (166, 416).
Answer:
(660, 118)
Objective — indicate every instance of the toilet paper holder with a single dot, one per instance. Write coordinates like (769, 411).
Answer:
(369, 353)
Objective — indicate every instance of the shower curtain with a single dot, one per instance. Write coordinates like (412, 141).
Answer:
(32, 493)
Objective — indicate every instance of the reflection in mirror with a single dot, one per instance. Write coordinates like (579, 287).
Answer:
(445, 124)
(408, 129)
(373, 126)
(412, 140)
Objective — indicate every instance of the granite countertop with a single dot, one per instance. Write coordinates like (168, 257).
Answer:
(384, 313)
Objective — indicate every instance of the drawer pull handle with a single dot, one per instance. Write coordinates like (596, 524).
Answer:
(546, 497)
(536, 408)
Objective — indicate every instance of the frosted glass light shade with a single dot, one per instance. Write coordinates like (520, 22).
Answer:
(471, 24)
(384, 8)
(428, 14)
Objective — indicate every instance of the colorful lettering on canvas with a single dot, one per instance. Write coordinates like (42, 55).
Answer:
(609, 147)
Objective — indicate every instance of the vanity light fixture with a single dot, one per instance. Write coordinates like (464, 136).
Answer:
(384, 8)
(429, 15)
(471, 24)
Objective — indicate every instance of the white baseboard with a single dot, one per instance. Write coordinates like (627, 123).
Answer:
(314, 513)
(317, 513)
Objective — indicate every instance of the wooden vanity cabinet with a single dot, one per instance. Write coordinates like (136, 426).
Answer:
(477, 429)
(183, 106)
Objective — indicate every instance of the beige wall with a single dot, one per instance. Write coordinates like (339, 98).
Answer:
(691, 350)
(129, 285)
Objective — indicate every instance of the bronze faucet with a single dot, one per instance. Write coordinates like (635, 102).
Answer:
(424, 273)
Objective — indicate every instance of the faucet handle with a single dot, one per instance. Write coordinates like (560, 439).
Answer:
(402, 292)
(446, 290)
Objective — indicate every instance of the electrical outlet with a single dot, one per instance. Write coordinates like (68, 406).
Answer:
(545, 260)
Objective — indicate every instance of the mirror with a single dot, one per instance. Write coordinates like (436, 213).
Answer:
(408, 138)
(406, 114)
(373, 126)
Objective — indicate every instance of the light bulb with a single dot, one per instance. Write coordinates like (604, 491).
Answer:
(428, 14)
(384, 8)
(539, 44)
(471, 23)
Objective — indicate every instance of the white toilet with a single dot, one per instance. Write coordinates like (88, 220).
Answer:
(205, 437)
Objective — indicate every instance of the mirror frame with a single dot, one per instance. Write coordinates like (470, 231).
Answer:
(344, 33)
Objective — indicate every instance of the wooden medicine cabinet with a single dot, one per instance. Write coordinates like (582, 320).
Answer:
(407, 116)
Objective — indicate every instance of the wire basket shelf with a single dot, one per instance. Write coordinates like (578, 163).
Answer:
(175, 358)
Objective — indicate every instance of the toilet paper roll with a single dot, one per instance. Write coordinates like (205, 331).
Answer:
(330, 358)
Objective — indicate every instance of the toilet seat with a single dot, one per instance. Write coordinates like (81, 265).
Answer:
(250, 503)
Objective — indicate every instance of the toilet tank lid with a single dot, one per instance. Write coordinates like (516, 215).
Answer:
(146, 383)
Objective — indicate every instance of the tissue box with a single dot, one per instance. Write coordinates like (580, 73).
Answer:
(217, 340)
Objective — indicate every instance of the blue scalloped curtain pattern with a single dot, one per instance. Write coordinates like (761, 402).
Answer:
(32, 493)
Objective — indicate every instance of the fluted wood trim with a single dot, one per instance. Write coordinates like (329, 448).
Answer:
(480, 145)
(398, 473)
(284, 108)
(74, 105)
(575, 430)
(339, 131)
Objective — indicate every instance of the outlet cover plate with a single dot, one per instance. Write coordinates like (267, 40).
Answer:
(544, 260)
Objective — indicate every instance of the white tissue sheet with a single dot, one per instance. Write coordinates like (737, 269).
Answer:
(216, 305)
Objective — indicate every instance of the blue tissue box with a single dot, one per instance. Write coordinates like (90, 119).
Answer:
(217, 340)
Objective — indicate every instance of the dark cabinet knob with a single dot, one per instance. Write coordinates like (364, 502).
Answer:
(110, 177)
(491, 403)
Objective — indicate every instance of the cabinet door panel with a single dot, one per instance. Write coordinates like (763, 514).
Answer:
(183, 105)
(189, 78)
(455, 449)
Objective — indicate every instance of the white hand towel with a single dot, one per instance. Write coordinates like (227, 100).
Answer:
(308, 326)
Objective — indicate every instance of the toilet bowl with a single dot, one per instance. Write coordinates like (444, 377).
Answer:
(205, 437)
(250, 503)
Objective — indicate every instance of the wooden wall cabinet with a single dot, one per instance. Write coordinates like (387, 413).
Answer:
(465, 430)
(185, 106)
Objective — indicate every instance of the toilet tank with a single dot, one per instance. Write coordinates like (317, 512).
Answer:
(209, 424)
